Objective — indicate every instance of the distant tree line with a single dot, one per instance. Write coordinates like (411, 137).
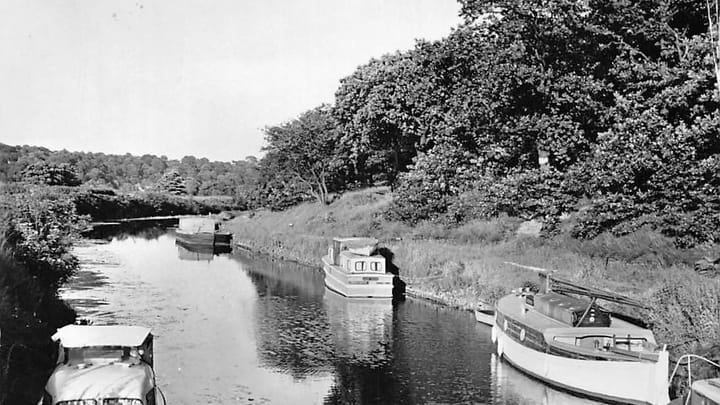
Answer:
(187, 176)
(618, 97)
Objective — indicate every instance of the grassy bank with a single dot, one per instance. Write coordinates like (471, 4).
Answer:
(467, 265)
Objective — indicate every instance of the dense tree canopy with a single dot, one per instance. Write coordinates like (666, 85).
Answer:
(620, 96)
(130, 173)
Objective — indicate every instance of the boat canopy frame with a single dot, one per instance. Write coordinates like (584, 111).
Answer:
(560, 285)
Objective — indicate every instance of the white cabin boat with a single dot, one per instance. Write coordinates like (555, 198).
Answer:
(102, 365)
(351, 269)
(574, 344)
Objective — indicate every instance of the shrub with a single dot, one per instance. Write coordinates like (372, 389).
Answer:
(38, 227)
(529, 194)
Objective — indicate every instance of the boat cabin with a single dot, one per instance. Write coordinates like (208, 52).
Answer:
(198, 225)
(569, 310)
(102, 365)
(355, 263)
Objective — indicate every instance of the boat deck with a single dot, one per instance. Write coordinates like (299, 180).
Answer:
(621, 340)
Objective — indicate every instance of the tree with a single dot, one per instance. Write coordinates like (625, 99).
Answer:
(50, 174)
(713, 19)
(304, 151)
(375, 109)
(173, 183)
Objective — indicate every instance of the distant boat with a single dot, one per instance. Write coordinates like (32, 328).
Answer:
(193, 252)
(201, 231)
(351, 269)
(574, 344)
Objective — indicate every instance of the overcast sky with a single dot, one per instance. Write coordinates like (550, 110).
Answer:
(184, 77)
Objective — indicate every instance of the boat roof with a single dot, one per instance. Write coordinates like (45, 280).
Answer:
(352, 255)
(357, 241)
(197, 224)
(74, 336)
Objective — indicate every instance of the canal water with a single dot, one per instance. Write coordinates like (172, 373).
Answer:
(238, 328)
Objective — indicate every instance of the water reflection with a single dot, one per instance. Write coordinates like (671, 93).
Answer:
(186, 251)
(145, 229)
(361, 327)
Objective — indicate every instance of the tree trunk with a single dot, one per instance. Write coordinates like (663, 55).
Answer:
(714, 34)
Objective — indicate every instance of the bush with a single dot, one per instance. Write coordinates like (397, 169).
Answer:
(38, 227)
(35, 235)
(530, 194)
(101, 205)
(481, 231)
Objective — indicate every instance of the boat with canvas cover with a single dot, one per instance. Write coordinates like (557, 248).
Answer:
(574, 344)
(110, 364)
(353, 270)
(201, 231)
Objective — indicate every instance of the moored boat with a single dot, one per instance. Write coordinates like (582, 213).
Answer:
(201, 231)
(353, 270)
(485, 314)
(705, 392)
(103, 365)
(574, 344)
(702, 392)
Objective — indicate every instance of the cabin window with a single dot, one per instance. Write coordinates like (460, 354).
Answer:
(375, 266)
(359, 266)
(87, 354)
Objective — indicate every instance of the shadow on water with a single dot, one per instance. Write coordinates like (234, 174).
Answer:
(145, 229)
(188, 251)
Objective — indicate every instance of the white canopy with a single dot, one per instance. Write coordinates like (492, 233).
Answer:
(107, 335)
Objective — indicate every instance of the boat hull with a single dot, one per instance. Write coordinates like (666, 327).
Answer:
(485, 316)
(204, 238)
(357, 285)
(624, 382)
